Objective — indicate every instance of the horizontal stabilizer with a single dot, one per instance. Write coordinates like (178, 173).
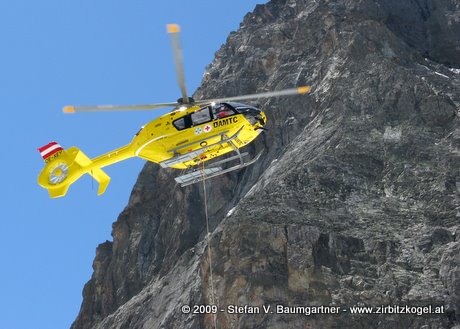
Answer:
(102, 178)
(97, 173)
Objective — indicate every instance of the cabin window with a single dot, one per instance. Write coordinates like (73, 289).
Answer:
(201, 116)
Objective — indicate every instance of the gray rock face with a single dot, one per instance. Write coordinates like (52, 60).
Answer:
(356, 200)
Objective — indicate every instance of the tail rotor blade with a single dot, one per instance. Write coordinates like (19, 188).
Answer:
(173, 30)
(285, 92)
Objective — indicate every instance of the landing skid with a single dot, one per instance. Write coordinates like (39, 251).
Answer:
(179, 158)
(215, 170)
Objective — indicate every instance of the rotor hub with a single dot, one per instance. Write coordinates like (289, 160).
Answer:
(190, 100)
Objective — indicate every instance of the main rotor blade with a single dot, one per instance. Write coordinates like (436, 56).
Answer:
(285, 92)
(173, 30)
(75, 109)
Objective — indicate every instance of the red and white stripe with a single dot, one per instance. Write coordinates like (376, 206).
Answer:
(49, 149)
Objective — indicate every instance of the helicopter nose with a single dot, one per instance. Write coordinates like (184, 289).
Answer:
(255, 116)
(260, 119)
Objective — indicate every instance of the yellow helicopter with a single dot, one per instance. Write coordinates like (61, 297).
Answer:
(194, 132)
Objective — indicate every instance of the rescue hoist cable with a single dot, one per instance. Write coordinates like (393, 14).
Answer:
(209, 244)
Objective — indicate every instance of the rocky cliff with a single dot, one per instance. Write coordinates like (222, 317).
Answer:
(354, 202)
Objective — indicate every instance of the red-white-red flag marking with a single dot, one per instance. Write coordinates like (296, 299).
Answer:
(49, 149)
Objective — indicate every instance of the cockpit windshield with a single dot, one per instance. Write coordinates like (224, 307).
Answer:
(222, 110)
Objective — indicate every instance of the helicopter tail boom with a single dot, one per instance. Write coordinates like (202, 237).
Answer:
(64, 167)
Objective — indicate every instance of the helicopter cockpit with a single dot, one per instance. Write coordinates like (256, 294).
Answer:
(218, 111)
(222, 110)
(251, 113)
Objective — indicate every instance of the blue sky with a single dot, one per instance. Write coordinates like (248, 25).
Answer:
(82, 52)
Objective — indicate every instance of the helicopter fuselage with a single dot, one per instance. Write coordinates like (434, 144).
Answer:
(185, 131)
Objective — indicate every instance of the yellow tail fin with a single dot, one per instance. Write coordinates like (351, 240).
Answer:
(64, 167)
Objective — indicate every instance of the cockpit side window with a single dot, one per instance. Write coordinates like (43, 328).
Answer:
(201, 116)
(222, 111)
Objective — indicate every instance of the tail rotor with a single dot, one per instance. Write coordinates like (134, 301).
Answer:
(64, 167)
